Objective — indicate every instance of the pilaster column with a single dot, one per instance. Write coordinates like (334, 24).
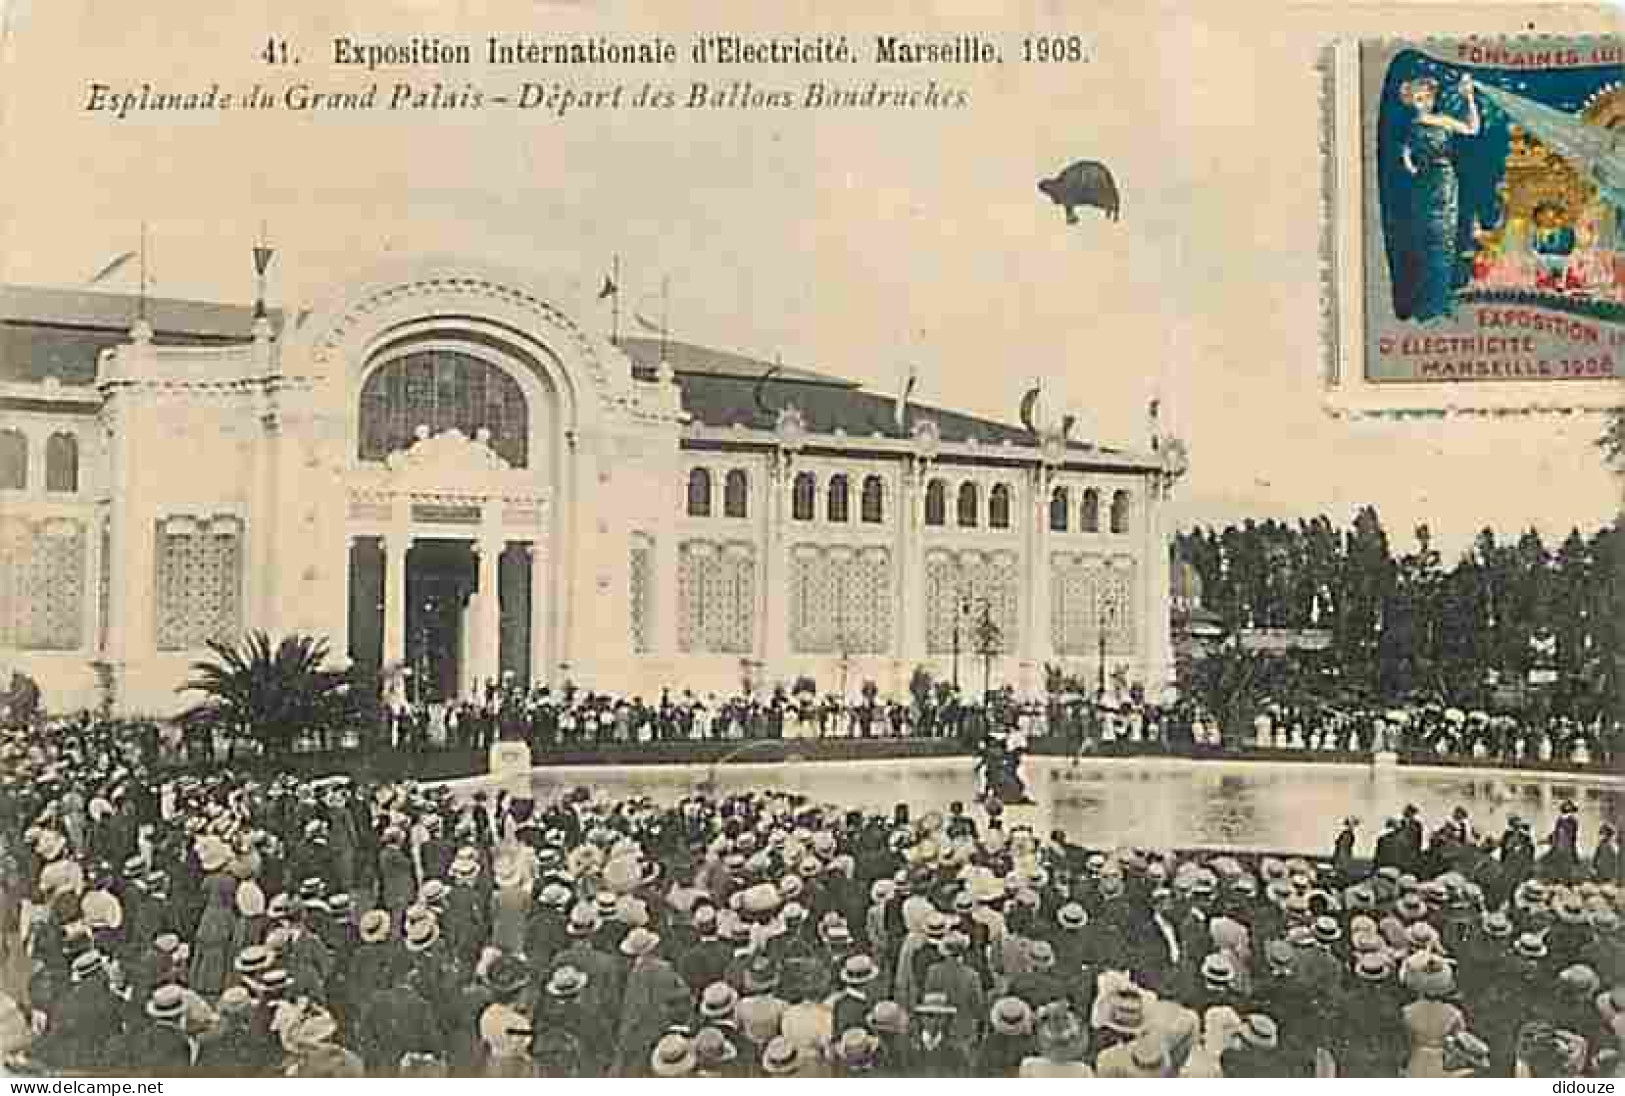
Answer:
(395, 549)
(911, 559)
(1038, 645)
(541, 665)
(487, 614)
(775, 597)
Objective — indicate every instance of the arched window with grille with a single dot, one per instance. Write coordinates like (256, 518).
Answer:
(803, 496)
(1120, 511)
(970, 505)
(736, 494)
(13, 460)
(874, 500)
(1089, 517)
(936, 503)
(699, 493)
(442, 390)
(1058, 506)
(998, 507)
(62, 463)
(838, 506)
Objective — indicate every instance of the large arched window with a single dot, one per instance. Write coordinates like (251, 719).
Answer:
(874, 500)
(998, 507)
(443, 390)
(1089, 518)
(736, 495)
(13, 460)
(970, 503)
(1120, 509)
(803, 496)
(62, 463)
(838, 506)
(1058, 505)
(699, 493)
(936, 503)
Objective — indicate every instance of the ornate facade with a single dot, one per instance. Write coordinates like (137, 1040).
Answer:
(444, 473)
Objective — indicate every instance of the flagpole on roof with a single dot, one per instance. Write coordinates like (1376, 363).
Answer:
(141, 267)
(665, 314)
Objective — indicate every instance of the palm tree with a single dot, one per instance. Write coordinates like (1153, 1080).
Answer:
(271, 692)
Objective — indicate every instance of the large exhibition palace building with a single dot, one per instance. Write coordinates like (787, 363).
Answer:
(445, 468)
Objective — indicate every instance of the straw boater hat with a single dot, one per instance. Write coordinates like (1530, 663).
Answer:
(1327, 930)
(888, 1018)
(1011, 1016)
(1497, 925)
(254, 960)
(1218, 971)
(717, 1001)
(859, 970)
(584, 920)
(374, 927)
(1041, 954)
(1260, 1031)
(673, 1056)
(639, 942)
(1072, 917)
(1531, 946)
(856, 1049)
(1373, 966)
(1125, 1012)
(935, 1004)
(566, 983)
(781, 1057)
(167, 1003)
(422, 929)
(712, 1048)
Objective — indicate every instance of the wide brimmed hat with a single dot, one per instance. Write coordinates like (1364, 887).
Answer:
(888, 1018)
(762, 975)
(373, 927)
(1531, 945)
(859, 970)
(1327, 930)
(640, 941)
(935, 1004)
(167, 1003)
(254, 959)
(1218, 970)
(1373, 966)
(673, 1056)
(856, 1048)
(432, 893)
(1011, 1016)
(584, 920)
(422, 931)
(1125, 1013)
(780, 1057)
(1072, 916)
(712, 1048)
(566, 982)
(717, 1001)
(1041, 954)
(506, 975)
(1260, 1031)
(1497, 925)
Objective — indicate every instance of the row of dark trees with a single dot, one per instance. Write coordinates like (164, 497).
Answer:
(1406, 626)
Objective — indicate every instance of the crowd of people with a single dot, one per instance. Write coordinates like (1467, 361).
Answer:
(216, 924)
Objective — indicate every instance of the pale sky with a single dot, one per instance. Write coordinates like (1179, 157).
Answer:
(846, 241)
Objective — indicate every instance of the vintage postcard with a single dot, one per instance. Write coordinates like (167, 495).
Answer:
(559, 539)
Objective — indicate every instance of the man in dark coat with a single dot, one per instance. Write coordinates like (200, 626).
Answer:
(1517, 854)
(88, 1021)
(398, 1021)
(605, 973)
(656, 997)
(1605, 862)
(157, 1045)
(705, 960)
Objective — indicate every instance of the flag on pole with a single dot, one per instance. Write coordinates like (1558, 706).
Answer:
(118, 262)
(1030, 406)
(911, 377)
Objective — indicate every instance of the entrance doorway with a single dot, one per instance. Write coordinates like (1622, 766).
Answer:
(440, 576)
